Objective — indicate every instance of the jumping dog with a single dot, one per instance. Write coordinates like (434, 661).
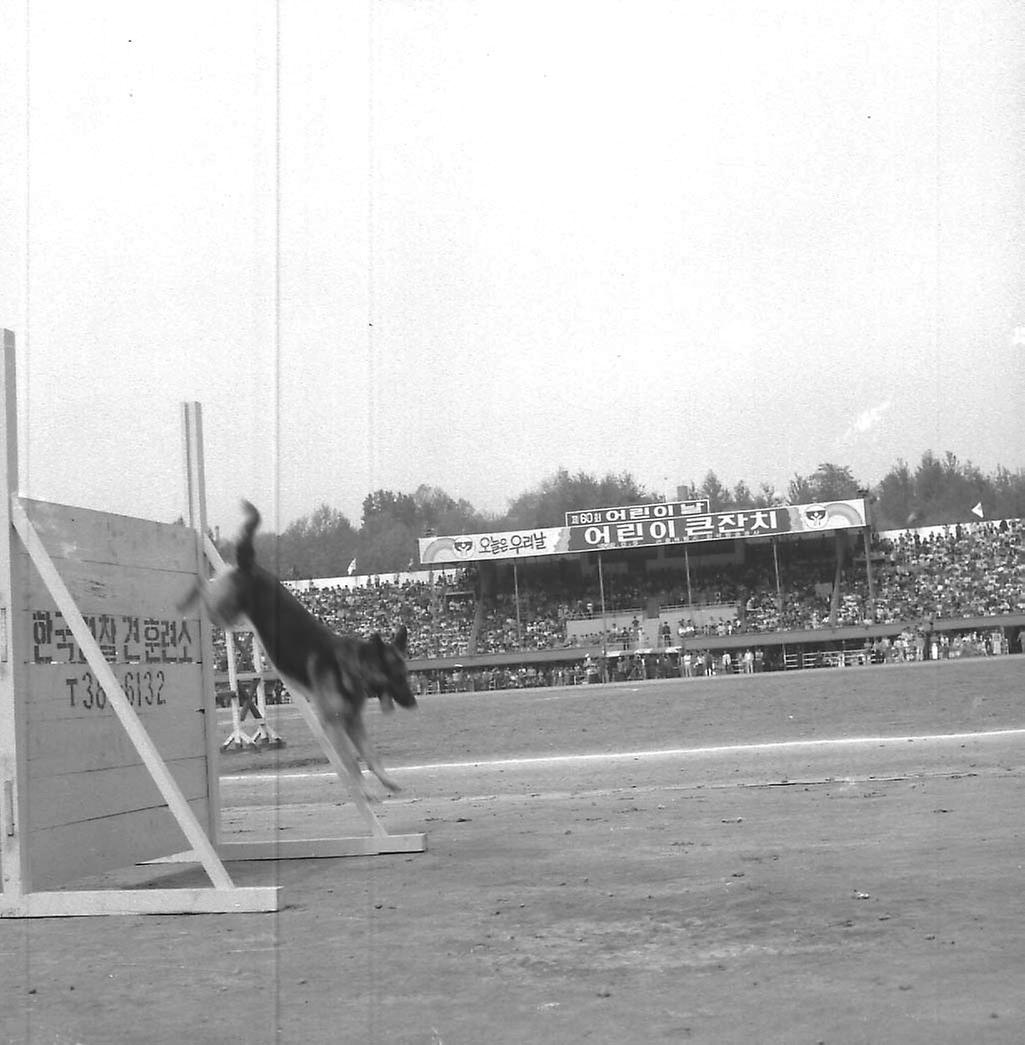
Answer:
(336, 673)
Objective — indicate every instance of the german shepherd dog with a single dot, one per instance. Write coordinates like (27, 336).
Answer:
(336, 673)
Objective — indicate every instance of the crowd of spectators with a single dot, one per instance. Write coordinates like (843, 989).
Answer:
(458, 680)
(918, 643)
(969, 570)
(975, 570)
(539, 622)
(438, 616)
(438, 625)
(960, 572)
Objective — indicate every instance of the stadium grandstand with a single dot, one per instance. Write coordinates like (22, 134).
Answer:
(636, 592)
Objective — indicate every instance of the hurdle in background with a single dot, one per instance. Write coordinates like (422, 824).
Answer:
(264, 734)
(238, 737)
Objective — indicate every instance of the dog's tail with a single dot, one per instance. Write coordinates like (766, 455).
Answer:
(245, 555)
(193, 596)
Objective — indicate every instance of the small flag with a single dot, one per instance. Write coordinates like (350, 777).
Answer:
(977, 510)
(352, 567)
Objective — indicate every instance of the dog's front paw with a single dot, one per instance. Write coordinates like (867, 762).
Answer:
(388, 782)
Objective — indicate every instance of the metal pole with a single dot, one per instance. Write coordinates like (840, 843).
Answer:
(779, 592)
(516, 588)
(604, 628)
(868, 572)
(686, 560)
(839, 546)
(779, 587)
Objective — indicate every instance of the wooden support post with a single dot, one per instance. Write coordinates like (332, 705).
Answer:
(195, 488)
(16, 872)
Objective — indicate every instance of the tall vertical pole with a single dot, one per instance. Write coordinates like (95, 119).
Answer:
(195, 485)
(866, 533)
(516, 588)
(686, 562)
(839, 548)
(779, 591)
(14, 858)
(779, 586)
(276, 430)
(604, 624)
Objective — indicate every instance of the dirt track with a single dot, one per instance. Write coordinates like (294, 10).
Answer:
(839, 892)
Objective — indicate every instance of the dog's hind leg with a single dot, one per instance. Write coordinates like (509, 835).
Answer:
(357, 733)
(341, 755)
(339, 739)
(335, 716)
(340, 702)
(344, 762)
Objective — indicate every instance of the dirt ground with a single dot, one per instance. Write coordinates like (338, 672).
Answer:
(726, 860)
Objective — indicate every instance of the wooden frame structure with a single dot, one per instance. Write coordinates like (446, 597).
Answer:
(108, 746)
(104, 761)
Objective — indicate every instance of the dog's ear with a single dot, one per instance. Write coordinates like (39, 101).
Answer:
(401, 639)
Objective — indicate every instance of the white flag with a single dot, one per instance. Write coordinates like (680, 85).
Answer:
(977, 510)
(352, 567)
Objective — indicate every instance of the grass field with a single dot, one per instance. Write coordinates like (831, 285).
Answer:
(830, 856)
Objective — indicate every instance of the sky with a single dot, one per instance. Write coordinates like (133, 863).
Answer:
(465, 244)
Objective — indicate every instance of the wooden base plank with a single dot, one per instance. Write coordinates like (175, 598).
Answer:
(315, 848)
(72, 904)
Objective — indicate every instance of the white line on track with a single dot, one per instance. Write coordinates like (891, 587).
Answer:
(612, 756)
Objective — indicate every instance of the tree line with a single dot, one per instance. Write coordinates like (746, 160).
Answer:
(325, 543)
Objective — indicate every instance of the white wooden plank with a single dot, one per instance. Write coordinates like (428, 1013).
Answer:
(101, 743)
(86, 535)
(71, 798)
(61, 738)
(68, 853)
(316, 848)
(167, 697)
(14, 869)
(86, 902)
(195, 481)
(99, 587)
